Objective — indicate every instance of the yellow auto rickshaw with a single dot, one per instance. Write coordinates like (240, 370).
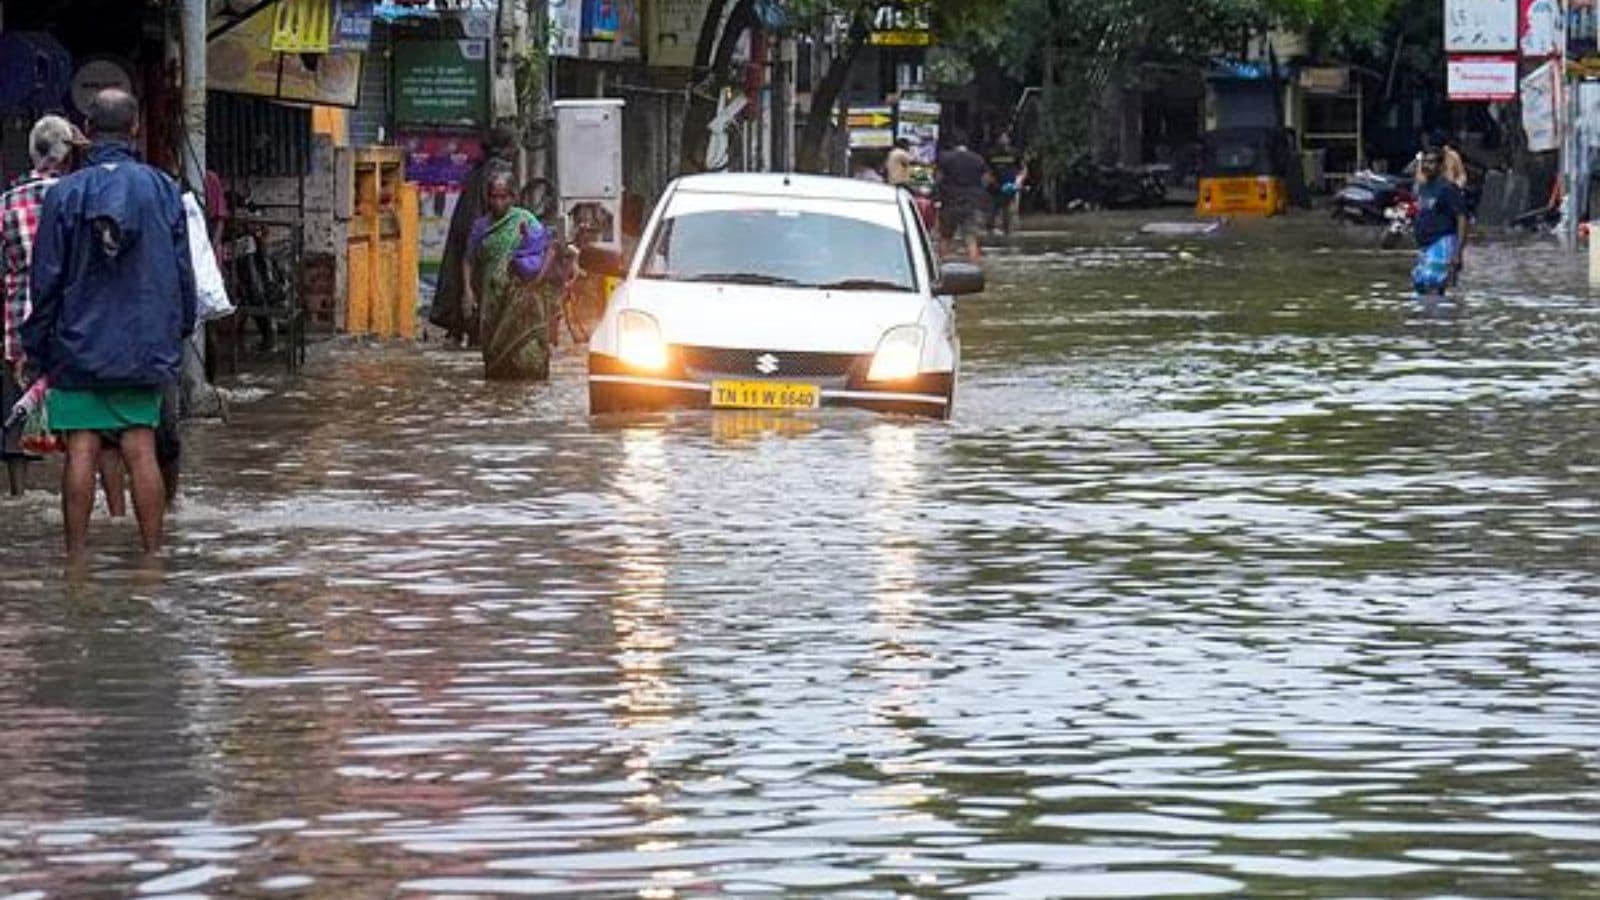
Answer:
(1244, 172)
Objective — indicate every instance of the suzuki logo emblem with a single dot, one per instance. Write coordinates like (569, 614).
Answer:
(766, 364)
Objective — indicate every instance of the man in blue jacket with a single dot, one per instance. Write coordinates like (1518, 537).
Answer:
(113, 299)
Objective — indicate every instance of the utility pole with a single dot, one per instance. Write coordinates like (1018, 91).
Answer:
(1567, 122)
(782, 112)
(200, 398)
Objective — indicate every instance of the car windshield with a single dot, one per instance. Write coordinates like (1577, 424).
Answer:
(789, 248)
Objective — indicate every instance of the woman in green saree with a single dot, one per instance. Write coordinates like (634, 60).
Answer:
(506, 257)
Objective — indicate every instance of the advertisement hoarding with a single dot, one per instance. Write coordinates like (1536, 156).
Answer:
(1544, 27)
(566, 28)
(903, 23)
(1539, 91)
(918, 122)
(1481, 26)
(242, 61)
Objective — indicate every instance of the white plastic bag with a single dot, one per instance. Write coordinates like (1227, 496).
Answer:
(213, 300)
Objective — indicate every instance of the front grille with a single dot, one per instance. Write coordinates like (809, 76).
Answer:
(789, 364)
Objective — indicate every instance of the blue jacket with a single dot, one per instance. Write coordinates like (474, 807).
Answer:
(112, 282)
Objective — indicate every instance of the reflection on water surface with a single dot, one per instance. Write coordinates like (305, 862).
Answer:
(1236, 573)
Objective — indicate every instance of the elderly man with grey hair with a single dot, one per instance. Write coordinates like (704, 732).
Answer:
(51, 144)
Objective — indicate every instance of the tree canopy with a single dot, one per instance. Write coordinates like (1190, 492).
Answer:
(1072, 47)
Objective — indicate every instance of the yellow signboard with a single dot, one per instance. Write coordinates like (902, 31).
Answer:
(242, 60)
(902, 23)
(901, 39)
(303, 26)
(871, 118)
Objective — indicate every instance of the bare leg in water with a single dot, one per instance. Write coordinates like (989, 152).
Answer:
(149, 491)
(112, 481)
(77, 488)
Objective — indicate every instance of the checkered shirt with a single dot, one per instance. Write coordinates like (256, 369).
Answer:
(19, 223)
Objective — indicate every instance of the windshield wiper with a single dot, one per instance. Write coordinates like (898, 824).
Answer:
(863, 284)
(742, 278)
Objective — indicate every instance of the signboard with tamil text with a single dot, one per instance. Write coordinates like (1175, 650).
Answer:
(441, 82)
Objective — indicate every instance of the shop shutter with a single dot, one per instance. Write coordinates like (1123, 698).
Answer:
(372, 115)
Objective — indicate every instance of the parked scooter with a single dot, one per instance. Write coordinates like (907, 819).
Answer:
(1368, 198)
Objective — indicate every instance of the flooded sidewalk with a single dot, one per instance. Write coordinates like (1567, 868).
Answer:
(1237, 572)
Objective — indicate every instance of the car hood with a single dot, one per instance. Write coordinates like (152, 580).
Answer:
(773, 318)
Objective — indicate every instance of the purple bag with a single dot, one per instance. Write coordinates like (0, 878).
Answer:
(527, 261)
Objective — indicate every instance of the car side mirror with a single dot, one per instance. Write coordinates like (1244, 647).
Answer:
(597, 260)
(957, 279)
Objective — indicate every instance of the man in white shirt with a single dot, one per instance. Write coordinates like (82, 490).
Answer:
(898, 166)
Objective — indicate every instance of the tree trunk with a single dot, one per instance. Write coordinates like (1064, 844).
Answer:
(712, 53)
(808, 156)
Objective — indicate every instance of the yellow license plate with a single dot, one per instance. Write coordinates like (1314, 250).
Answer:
(765, 395)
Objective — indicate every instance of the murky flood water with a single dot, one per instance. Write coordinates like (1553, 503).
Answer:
(1237, 572)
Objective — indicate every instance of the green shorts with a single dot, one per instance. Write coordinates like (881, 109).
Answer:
(106, 410)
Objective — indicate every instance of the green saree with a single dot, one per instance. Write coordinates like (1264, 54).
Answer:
(514, 314)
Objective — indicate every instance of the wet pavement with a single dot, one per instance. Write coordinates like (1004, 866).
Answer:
(1237, 572)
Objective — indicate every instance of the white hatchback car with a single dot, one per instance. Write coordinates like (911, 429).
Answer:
(771, 291)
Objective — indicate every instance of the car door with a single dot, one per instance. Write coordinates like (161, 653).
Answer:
(923, 246)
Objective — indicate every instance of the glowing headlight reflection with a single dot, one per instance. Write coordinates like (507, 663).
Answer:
(639, 342)
(899, 355)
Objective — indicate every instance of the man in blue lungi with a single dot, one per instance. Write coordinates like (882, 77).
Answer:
(1441, 228)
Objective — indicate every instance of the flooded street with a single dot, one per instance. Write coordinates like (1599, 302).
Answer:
(1237, 572)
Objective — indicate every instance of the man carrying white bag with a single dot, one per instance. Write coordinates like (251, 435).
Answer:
(194, 394)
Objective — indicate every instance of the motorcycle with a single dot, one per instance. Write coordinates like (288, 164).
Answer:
(1087, 184)
(1368, 198)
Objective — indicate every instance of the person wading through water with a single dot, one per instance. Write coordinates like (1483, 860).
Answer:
(113, 299)
(514, 280)
(449, 312)
(51, 143)
(1441, 228)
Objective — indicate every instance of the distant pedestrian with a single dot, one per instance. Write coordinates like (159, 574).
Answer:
(449, 311)
(1441, 228)
(1009, 172)
(50, 146)
(963, 176)
(113, 299)
(898, 167)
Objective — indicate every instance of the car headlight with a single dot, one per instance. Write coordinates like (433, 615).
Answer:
(639, 342)
(899, 355)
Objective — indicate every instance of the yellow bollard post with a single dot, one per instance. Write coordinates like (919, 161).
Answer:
(410, 212)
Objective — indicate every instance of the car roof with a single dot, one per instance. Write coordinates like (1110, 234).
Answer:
(767, 184)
